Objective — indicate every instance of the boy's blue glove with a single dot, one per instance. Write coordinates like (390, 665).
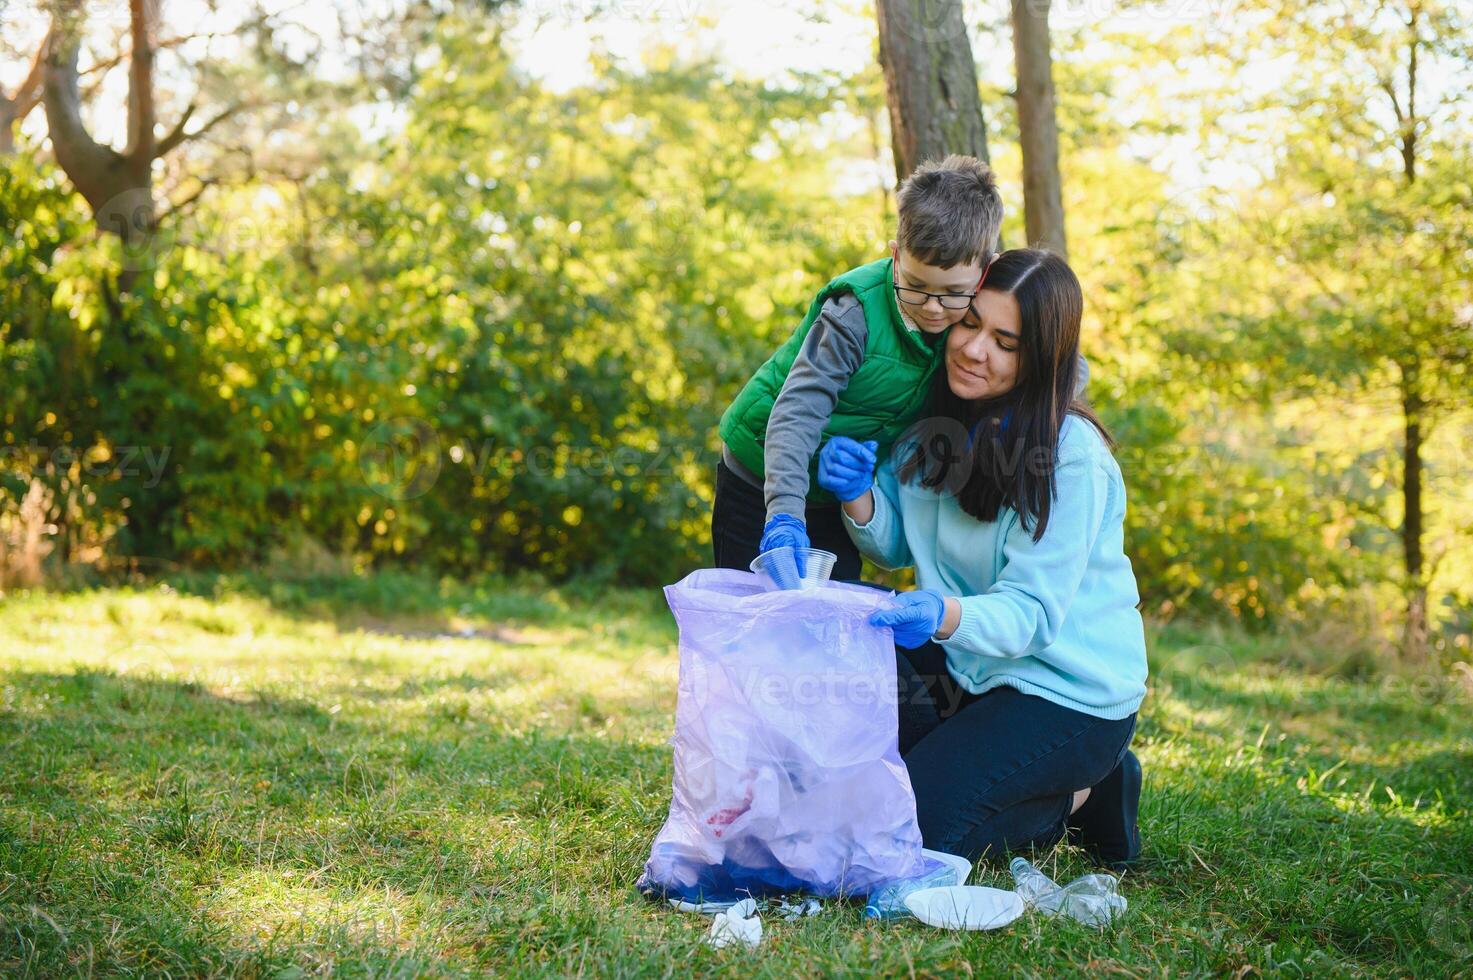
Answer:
(846, 467)
(786, 531)
(915, 617)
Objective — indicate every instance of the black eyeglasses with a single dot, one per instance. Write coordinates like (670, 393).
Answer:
(951, 301)
(919, 297)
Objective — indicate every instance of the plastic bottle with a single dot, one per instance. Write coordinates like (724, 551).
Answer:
(1091, 899)
(888, 901)
(1036, 889)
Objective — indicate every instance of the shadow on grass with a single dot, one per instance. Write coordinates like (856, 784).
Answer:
(416, 605)
(151, 826)
(1304, 865)
(1365, 715)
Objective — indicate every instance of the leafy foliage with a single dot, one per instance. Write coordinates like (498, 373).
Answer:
(503, 337)
(497, 331)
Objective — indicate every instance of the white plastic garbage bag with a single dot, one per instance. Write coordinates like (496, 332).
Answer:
(788, 775)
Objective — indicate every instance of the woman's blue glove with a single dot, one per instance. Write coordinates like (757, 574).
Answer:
(786, 531)
(915, 617)
(846, 468)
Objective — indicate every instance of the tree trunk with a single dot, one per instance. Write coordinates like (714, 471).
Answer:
(7, 126)
(930, 82)
(117, 186)
(1414, 635)
(1414, 639)
(877, 148)
(1043, 204)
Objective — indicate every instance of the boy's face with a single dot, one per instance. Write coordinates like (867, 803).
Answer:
(960, 281)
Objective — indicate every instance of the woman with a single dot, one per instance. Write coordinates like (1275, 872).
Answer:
(1023, 657)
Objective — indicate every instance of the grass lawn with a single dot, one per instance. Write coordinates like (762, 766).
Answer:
(391, 775)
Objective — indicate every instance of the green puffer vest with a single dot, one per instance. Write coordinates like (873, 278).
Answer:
(884, 397)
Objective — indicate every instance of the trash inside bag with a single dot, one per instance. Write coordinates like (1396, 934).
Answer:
(788, 775)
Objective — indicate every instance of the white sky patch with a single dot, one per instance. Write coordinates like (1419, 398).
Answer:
(555, 39)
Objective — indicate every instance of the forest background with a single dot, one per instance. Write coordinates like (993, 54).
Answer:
(322, 288)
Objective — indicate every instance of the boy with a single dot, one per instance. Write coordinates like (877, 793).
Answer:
(859, 365)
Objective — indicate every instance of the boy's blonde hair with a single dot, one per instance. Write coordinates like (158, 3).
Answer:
(950, 212)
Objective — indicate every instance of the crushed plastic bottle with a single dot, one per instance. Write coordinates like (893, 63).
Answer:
(1036, 889)
(888, 901)
(1091, 899)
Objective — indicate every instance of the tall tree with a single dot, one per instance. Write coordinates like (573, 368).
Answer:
(1412, 389)
(1350, 270)
(119, 185)
(1417, 336)
(1038, 131)
(930, 82)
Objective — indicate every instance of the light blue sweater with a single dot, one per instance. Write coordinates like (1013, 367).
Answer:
(1055, 618)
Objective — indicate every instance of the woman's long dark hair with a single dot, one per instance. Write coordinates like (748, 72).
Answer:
(1011, 442)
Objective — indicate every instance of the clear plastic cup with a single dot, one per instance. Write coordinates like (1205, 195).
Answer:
(819, 565)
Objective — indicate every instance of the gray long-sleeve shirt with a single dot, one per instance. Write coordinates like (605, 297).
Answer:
(831, 353)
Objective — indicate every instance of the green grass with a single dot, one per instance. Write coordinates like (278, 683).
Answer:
(238, 776)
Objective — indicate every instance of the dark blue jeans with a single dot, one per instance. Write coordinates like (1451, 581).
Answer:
(995, 772)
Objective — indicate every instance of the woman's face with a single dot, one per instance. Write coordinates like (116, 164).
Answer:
(982, 351)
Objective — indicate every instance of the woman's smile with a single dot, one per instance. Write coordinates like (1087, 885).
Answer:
(969, 374)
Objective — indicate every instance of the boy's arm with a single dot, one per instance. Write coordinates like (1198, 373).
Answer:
(831, 353)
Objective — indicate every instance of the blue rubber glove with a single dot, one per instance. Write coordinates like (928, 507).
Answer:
(846, 468)
(915, 617)
(786, 531)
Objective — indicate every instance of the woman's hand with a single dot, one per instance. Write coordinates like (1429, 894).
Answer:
(846, 468)
(919, 616)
